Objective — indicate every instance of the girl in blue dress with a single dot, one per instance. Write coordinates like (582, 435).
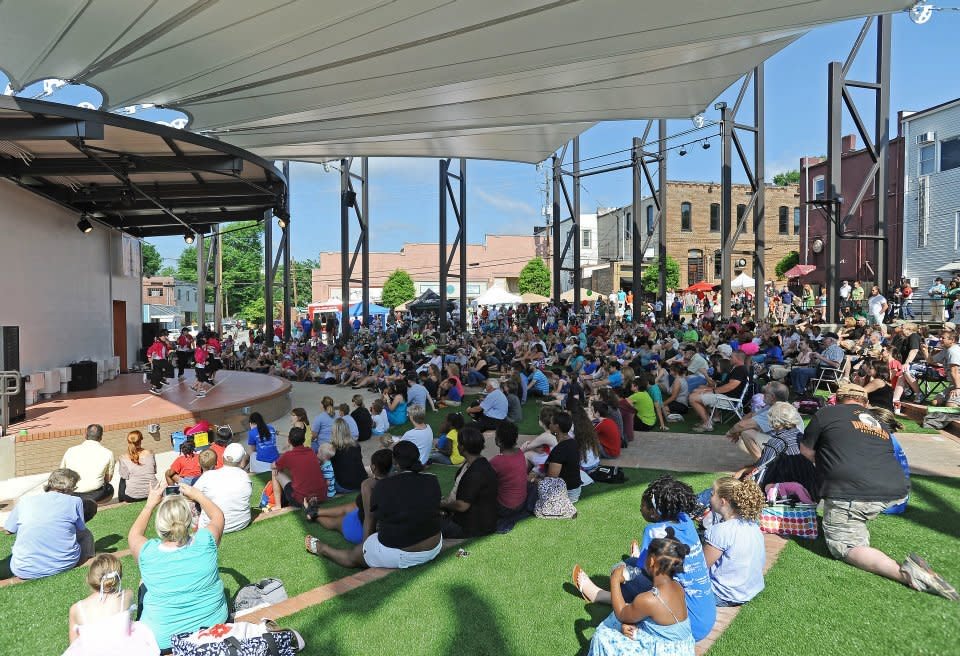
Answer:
(655, 623)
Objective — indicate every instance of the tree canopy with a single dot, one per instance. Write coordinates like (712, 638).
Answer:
(787, 178)
(788, 261)
(651, 276)
(151, 259)
(242, 266)
(535, 278)
(398, 289)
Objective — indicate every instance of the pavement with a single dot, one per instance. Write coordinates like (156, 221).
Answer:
(928, 454)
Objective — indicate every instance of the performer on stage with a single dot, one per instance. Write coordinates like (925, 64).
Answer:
(157, 355)
(184, 349)
(200, 359)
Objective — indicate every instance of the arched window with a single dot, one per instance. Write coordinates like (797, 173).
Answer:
(694, 266)
(686, 220)
(649, 220)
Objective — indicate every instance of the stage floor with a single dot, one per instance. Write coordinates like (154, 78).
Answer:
(126, 402)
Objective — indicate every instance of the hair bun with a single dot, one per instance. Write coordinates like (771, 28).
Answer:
(416, 467)
(683, 549)
(671, 532)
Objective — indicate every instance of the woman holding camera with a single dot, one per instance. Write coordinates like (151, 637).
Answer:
(181, 590)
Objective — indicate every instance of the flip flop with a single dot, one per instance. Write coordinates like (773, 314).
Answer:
(311, 543)
(635, 549)
(577, 571)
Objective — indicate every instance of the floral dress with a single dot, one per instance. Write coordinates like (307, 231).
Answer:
(651, 639)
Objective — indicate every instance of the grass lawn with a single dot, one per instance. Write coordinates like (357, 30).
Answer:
(512, 594)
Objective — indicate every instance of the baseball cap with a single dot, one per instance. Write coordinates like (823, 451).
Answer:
(725, 350)
(233, 453)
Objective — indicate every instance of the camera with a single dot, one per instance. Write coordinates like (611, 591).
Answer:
(171, 489)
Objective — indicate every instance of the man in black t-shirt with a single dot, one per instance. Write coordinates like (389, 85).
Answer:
(709, 395)
(859, 477)
(909, 353)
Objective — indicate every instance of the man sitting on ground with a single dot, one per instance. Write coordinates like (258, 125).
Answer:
(229, 488)
(493, 409)
(94, 463)
(860, 478)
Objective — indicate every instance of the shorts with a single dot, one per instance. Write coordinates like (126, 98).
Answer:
(845, 523)
(377, 555)
(352, 527)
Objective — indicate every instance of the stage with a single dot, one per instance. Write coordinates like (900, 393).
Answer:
(125, 404)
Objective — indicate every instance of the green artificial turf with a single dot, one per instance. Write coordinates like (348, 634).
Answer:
(512, 594)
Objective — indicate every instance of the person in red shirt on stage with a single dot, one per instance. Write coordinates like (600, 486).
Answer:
(297, 474)
(184, 349)
(200, 358)
(157, 356)
(213, 356)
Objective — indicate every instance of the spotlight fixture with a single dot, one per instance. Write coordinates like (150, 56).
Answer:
(921, 12)
(84, 225)
(189, 237)
(683, 151)
(706, 145)
(282, 222)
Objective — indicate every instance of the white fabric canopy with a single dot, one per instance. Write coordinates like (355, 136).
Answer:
(317, 79)
(742, 282)
(497, 296)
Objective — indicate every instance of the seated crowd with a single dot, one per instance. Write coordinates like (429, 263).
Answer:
(600, 382)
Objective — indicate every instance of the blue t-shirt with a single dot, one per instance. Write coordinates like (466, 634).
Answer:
(266, 448)
(540, 382)
(322, 426)
(46, 526)
(615, 379)
(417, 394)
(695, 578)
(656, 394)
(737, 576)
(396, 416)
(184, 590)
(496, 406)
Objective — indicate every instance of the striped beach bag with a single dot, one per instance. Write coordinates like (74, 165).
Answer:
(790, 519)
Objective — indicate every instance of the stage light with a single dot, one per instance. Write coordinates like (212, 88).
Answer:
(189, 237)
(921, 12)
(84, 225)
(683, 151)
(706, 145)
(282, 222)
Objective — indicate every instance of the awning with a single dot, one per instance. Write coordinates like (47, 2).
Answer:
(497, 296)
(458, 78)
(953, 266)
(800, 270)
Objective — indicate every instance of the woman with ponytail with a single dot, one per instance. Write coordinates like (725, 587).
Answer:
(138, 470)
(734, 546)
(666, 506)
(180, 588)
(101, 623)
(654, 623)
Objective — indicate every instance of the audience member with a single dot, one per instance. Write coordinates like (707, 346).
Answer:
(297, 474)
(138, 470)
(230, 489)
(94, 463)
(493, 409)
(511, 468)
(347, 460)
(262, 444)
(733, 544)
(186, 468)
(472, 503)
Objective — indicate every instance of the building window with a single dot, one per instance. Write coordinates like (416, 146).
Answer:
(950, 154)
(685, 220)
(714, 217)
(628, 228)
(585, 238)
(923, 212)
(784, 225)
(178, 293)
(694, 266)
(928, 156)
(649, 220)
(741, 210)
(796, 220)
(154, 292)
(717, 264)
(819, 187)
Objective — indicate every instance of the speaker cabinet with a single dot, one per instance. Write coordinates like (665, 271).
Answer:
(83, 375)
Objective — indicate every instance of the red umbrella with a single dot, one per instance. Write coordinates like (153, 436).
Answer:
(800, 270)
(700, 287)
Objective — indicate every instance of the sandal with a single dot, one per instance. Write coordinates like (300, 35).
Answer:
(577, 572)
(311, 543)
(634, 549)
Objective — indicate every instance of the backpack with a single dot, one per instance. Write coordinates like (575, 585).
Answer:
(607, 474)
(552, 500)
(238, 639)
(257, 595)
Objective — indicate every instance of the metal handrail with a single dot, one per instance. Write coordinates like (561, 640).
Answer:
(6, 390)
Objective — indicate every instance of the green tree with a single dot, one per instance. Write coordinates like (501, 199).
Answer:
(398, 289)
(651, 276)
(787, 178)
(150, 258)
(168, 271)
(301, 284)
(789, 261)
(535, 278)
(254, 311)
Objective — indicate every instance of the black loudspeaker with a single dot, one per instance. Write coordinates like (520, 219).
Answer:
(83, 376)
(10, 361)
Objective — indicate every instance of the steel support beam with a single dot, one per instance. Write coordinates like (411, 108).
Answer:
(555, 230)
(840, 210)
(218, 282)
(457, 201)
(760, 198)
(572, 204)
(129, 164)
(641, 160)
(348, 261)
(48, 129)
(287, 260)
(636, 283)
(726, 202)
(268, 276)
(201, 281)
(662, 219)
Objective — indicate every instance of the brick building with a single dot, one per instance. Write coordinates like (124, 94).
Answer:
(496, 262)
(693, 232)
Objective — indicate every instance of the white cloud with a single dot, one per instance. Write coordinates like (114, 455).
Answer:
(505, 203)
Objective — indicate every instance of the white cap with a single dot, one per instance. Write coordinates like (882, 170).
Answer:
(725, 350)
(233, 453)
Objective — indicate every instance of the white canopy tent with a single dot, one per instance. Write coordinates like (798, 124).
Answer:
(316, 80)
(743, 282)
(497, 296)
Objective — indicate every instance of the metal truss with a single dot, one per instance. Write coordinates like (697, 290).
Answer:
(641, 158)
(573, 234)
(730, 130)
(272, 263)
(877, 146)
(458, 204)
(360, 205)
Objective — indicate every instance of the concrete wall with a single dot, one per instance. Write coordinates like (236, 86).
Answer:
(58, 284)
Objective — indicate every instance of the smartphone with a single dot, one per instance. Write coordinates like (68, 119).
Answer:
(171, 489)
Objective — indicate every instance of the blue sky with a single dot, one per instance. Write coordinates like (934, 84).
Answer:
(506, 198)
